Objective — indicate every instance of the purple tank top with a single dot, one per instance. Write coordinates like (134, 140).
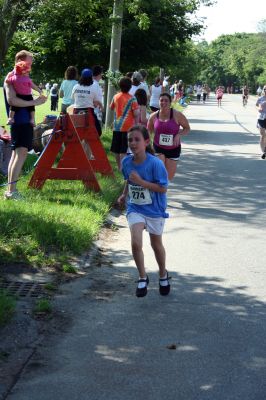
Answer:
(165, 132)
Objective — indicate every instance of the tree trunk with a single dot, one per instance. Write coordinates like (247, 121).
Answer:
(11, 13)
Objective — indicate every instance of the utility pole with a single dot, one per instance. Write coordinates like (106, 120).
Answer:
(114, 54)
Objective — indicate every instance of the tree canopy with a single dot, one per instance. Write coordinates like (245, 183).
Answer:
(59, 33)
(235, 59)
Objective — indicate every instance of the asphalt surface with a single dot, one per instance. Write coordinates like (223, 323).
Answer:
(206, 340)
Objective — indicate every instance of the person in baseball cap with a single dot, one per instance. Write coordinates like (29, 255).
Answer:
(86, 73)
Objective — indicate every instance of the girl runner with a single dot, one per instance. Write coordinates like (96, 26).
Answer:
(145, 190)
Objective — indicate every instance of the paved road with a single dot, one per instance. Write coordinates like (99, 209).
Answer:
(115, 346)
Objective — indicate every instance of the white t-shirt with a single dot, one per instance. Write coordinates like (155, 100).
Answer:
(155, 95)
(99, 89)
(84, 96)
(135, 88)
(262, 101)
(199, 90)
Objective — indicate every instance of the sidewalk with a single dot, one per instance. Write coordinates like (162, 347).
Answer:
(206, 341)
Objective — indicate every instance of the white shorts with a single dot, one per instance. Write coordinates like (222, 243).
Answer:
(152, 225)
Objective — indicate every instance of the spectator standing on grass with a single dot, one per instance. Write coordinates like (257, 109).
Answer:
(143, 83)
(97, 73)
(65, 91)
(21, 131)
(155, 90)
(136, 83)
(86, 96)
(126, 110)
(54, 97)
(23, 86)
(47, 88)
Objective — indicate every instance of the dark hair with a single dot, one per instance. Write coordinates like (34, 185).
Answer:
(157, 80)
(143, 73)
(166, 95)
(125, 84)
(71, 73)
(97, 70)
(144, 131)
(136, 82)
(141, 97)
(129, 74)
(86, 81)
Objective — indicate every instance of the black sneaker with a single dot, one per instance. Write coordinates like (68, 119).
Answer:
(141, 292)
(263, 156)
(164, 290)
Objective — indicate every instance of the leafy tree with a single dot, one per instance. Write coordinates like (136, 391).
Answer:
(12, 12)
(236, 59)
(61, 34)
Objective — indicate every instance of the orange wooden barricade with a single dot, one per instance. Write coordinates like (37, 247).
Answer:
(73, 131)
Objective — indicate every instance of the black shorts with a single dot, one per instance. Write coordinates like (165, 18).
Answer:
(262, 123)
(172, 154)
(119, 142)
(21, 136)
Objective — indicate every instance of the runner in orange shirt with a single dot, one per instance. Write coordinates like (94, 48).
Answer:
(126, 110)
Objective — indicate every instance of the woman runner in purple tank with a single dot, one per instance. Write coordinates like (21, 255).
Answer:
(165, 124)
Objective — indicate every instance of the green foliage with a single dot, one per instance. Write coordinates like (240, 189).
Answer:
(114, 77)
(59, 30)
(43, 306)
(50, 287)
(235, 59)
(69, 269)
(7, 307)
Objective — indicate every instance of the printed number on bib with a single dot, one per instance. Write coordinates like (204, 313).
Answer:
(139, 195)
(166, 140)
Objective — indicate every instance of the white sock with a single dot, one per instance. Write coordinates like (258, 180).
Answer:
(142, 285)
(164, 283)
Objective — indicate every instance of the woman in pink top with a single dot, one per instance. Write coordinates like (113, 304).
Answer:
(219, 95)
(20, 80)
(165, 124)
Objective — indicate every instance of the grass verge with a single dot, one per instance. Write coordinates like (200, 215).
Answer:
(57, 222)
(7, 307)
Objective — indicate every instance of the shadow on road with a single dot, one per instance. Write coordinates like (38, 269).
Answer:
(224, 183)
(204, 341)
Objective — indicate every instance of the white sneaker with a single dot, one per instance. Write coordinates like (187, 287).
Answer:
(13, 196)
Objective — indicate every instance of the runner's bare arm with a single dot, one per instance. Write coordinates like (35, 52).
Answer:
(181, 120)
(121, 199)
